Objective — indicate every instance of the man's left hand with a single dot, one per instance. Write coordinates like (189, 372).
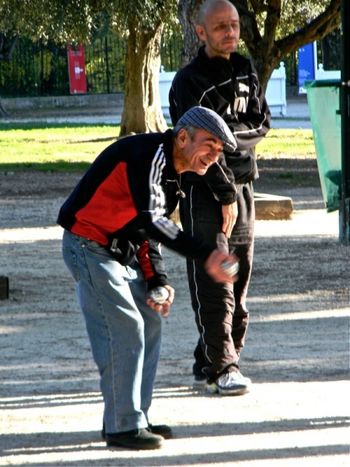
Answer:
(229, 216)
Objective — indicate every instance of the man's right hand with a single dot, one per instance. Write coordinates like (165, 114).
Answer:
(163, 308)
(214, 267)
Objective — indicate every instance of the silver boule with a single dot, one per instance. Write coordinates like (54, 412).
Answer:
(159, 295)
(230, 268)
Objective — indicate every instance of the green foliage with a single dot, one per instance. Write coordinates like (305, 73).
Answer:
(144, 13)
(294, 14)
(69, 21)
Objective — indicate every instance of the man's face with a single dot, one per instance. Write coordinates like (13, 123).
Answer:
(220, 31)
(202, 149)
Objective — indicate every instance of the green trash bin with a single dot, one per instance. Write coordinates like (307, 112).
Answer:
(323, 101)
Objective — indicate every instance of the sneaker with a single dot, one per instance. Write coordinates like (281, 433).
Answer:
(162, 430)
(134, 439)
(230, 384)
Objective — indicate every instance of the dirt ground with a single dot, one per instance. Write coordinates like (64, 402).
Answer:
(297, 350)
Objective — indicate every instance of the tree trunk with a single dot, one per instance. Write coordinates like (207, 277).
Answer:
(142, 111)
(187, 12)
(265, 61)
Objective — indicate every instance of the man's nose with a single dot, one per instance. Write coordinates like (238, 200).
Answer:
(214, 154)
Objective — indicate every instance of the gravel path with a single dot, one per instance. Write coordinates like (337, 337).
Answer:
(297, 350)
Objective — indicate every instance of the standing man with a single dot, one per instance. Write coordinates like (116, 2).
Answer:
(113, 220)
(220, 205)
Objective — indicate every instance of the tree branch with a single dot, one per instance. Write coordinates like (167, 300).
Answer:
(271, 22)
(249, 28)
(315, 30)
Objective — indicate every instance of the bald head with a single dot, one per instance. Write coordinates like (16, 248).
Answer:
(218, 28)
(208, 7)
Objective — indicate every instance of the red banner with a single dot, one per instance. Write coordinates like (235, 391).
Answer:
(76, 69)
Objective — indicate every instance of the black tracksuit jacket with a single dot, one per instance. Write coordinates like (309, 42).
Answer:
(123, 202)
(230, 88)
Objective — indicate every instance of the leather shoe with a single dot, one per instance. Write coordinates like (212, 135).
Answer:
(134, 439)
(162, 430)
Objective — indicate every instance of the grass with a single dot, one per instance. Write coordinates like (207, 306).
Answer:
(71, 147)
(56, 147)
(287, 143)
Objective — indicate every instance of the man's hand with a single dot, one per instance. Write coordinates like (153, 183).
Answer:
(229, 216)
(163, 308)
(216, 269)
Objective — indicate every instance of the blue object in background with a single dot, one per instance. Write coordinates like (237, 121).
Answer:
(306, 66)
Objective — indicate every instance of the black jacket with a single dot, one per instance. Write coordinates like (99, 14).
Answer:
(123, 202)
(231, 88)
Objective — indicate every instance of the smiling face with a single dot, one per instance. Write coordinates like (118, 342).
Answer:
(196, 151)
(219, 29)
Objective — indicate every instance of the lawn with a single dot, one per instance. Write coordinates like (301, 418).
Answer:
(72, 147)
(287, 143)
(54, 146)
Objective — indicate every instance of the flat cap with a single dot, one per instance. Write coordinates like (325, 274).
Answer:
(208, 120)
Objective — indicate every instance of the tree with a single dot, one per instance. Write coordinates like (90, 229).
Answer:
(145, 22)
(270, 29)
(74, 21)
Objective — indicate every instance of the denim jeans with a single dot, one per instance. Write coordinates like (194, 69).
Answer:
(124, 333)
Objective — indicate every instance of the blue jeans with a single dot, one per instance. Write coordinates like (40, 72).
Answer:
(125, 334)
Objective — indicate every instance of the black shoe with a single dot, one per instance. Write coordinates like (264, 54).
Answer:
(163, 430)
(141, 438)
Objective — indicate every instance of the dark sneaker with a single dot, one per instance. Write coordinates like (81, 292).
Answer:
(141, 438)
(230, 384)
(162, 430)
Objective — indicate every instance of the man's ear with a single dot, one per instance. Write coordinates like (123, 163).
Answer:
(200, 32)
(182, 137)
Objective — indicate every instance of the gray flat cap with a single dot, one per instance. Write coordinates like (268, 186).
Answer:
(208, 120)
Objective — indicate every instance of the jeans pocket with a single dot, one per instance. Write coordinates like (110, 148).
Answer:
(97, 249)
(71, 261)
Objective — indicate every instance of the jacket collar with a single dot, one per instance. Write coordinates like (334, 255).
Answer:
(168, 141)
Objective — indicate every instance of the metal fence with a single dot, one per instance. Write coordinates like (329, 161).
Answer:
(34, 70)
(38, 69)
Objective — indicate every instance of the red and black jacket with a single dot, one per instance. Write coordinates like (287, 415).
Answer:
(124, 200)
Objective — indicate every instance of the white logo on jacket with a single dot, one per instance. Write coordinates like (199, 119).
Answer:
(243, 88)
(240, 104)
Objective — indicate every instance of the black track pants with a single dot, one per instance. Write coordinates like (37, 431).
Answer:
(220, 309)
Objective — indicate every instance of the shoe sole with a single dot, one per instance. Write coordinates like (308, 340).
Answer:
(134, 446)
(233, 392)
(214, 389)
(164, 434)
